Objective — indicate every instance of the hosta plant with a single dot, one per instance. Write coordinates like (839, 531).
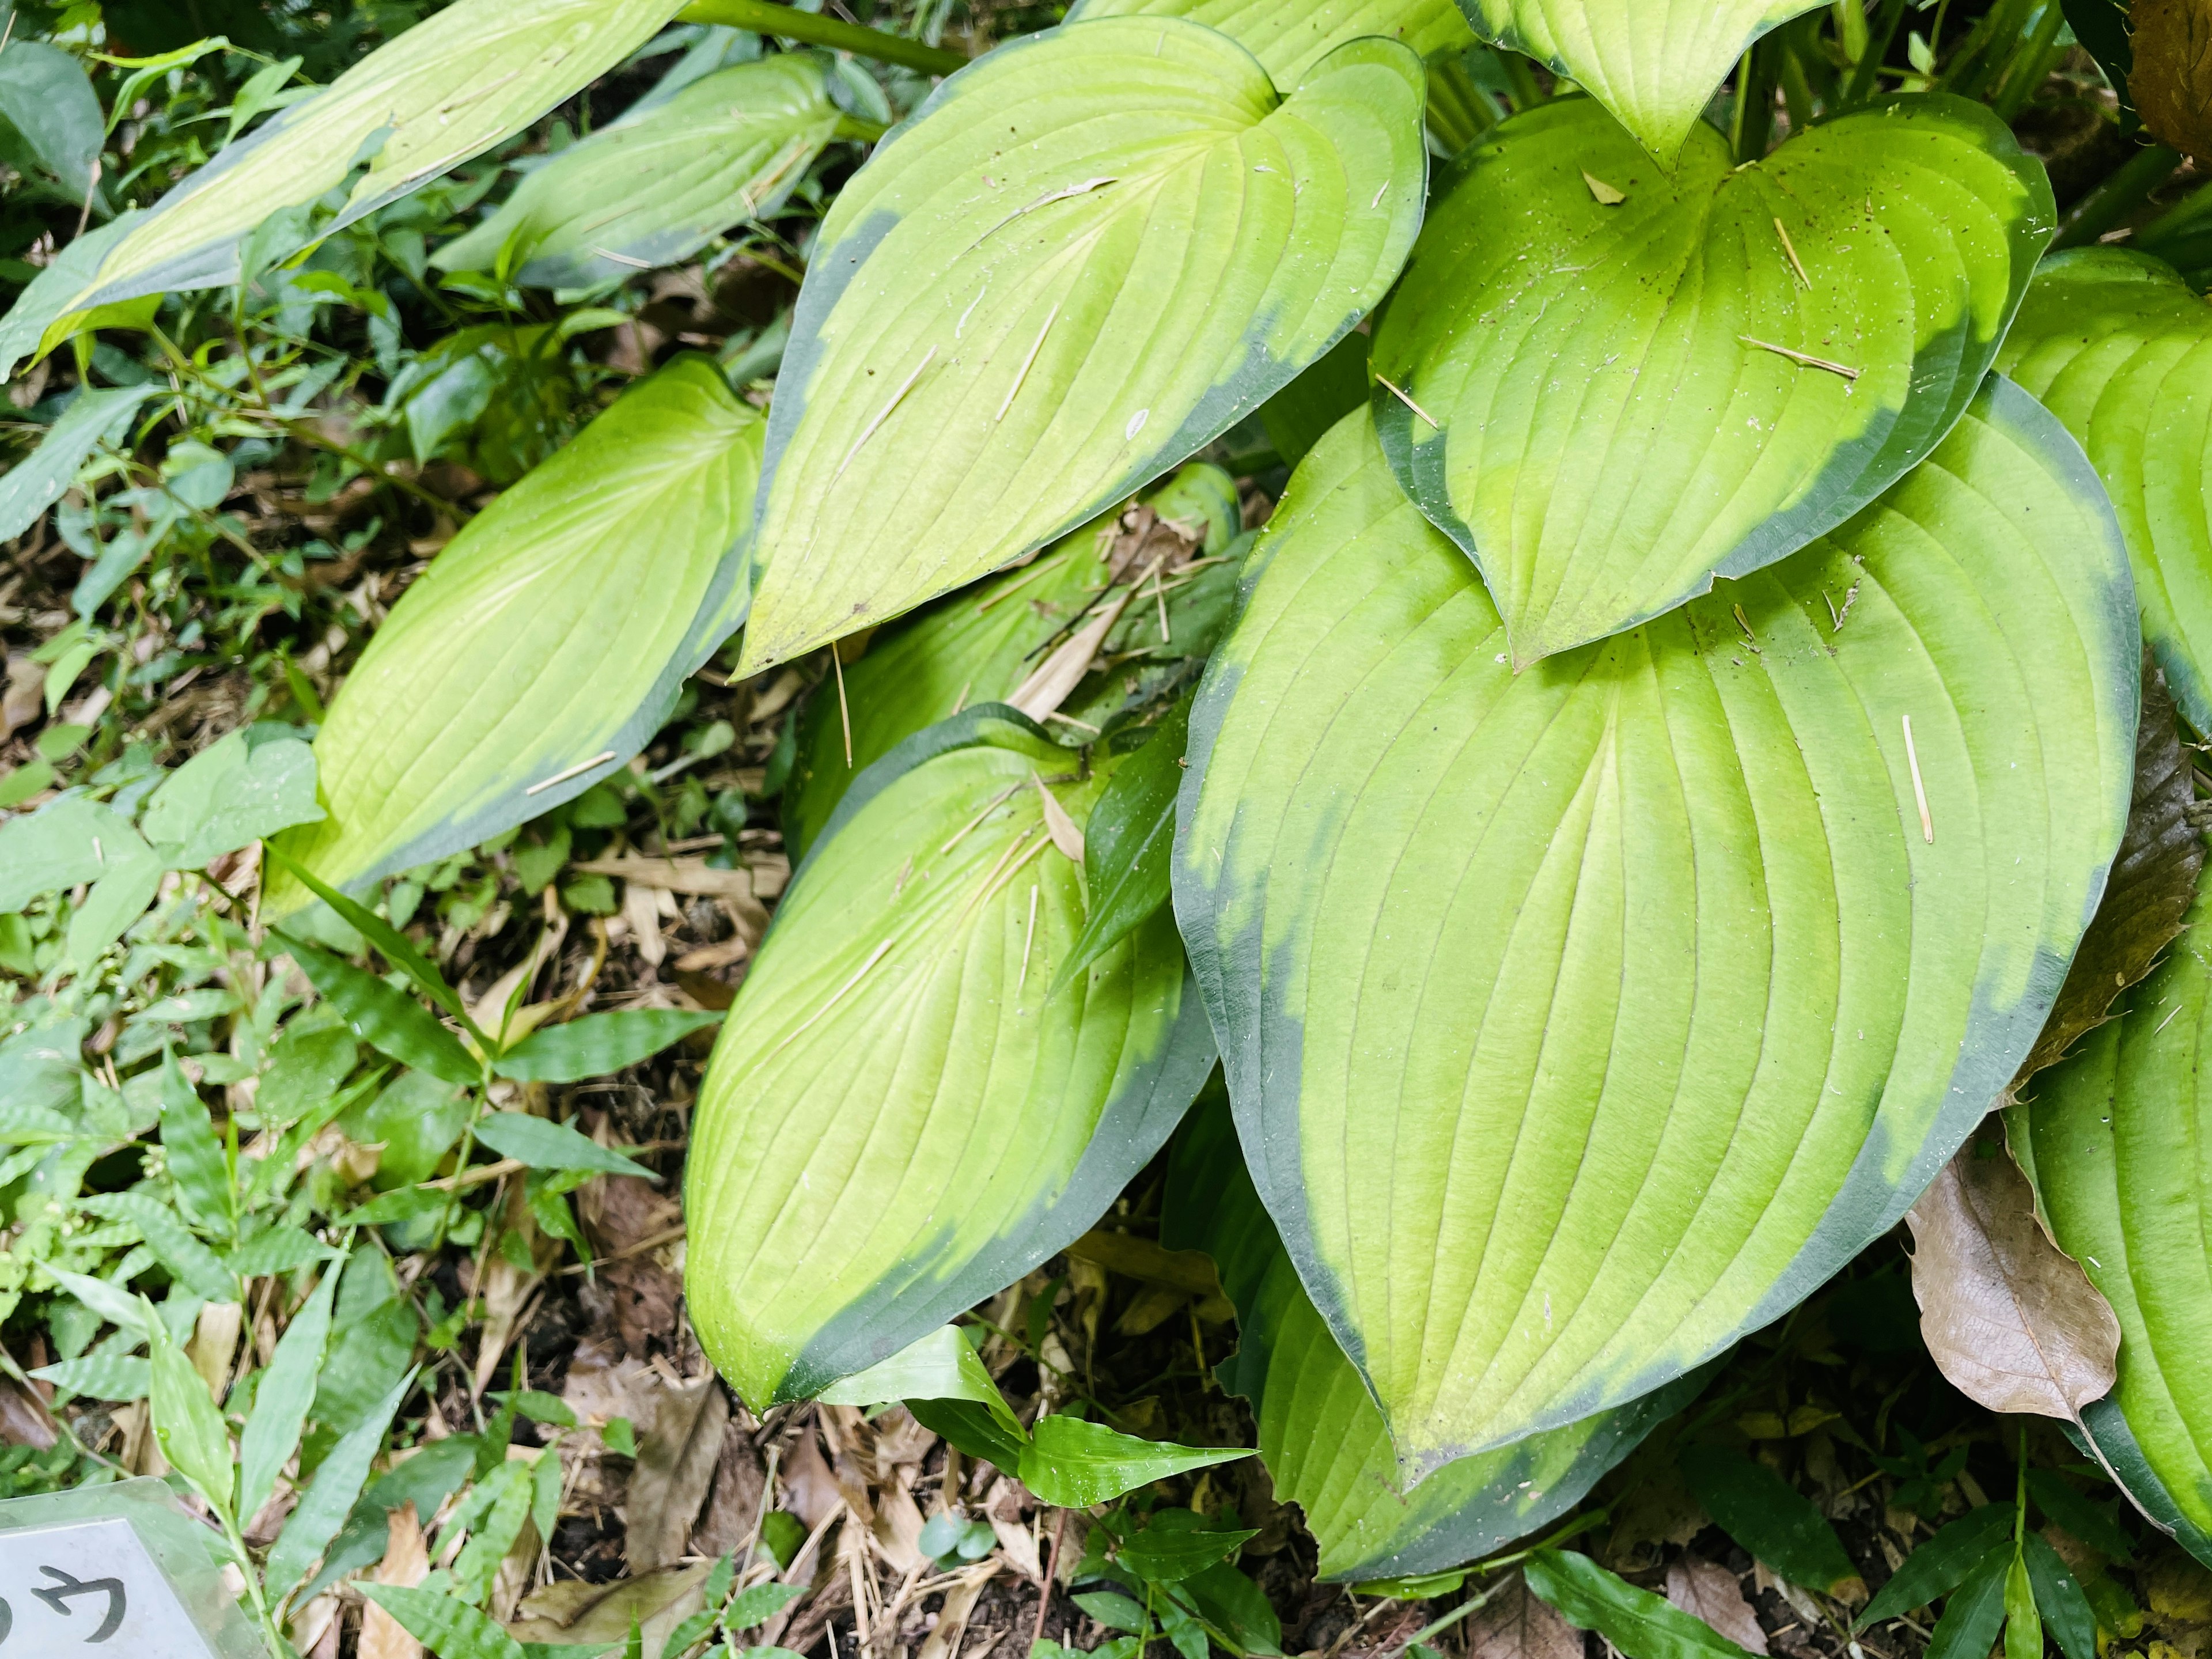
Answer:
(1613, 833)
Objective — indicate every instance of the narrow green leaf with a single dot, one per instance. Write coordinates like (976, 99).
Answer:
(543, 1145)
(186, 1424)
(1128, 848)
(281, 1400)
(451, 1629)
(899, 1115)
(1767, 299)
(974, 1428)
(2089, 1522)
(386, 1018)
(36, 483)
(757, 1606)
(493, 1528)
(229, 795)
(194, 1157)
(443, 91)
(2057, 1594)
(943, 1365)
(1164, 241)
(1942, 1564)
(281, 1249)
(1641, 1624)
(103, 1376)
(1655, 64)
(117, 899)
(1163, 1555)
(598, 1045)
(520, 672)
(396, 947)
(1289, 37)
(339, 1478)
(118, 1306)
(1968, 1627)
(655, 187)
(2023, 1634)
(1441, 910)
(1072, 1464)
(1770, 1517)
(189, 1261)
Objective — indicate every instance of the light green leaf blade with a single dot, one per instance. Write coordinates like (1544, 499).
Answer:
(1655, 64)
(68, 840)
(978, 646)
(653, 189)
(547, 1146)
(36, 483)
(943, 1365)
(523, 655)
(449, 1628)
(1325, 1445)
(598, 1045)
(229, 794)
(187, 1425)
(1072, 1464)
(898, 1119)
(281, 1401)
(1641, 1624)
(117, 899)
(1289, 37)
(2120, 348)
(1463, 931)
(2116, 1137)
(339, 1478)
(1089, 253)
(1618, 425)
(446, 89)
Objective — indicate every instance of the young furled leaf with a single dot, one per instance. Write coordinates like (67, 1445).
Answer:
(521, 669)
(1699, 380)
(1089, 253)
(1442, 912)
(901, 1116)
(186, 1423)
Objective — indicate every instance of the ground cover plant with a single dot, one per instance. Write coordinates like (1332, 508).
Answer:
(1362, 827)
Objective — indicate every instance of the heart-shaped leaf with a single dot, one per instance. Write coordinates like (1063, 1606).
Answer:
(1578, 1021)
(1289, 37)
(1655, 64)
(901, 1117)
(522, 668)
(1089, 253)
(1324, 1444)
(2114, 1140)
(2120, 348)
(448, 89)
(1699, 379)
(653, 189)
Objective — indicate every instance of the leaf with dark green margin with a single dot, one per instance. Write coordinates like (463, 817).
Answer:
(653, 188)
(900, 1118)
(1090, 252)
(1641, 1624)
(1299, 416)
(1289, 37)
(1655, 64)
(543, 1145)
(1942, 1564)
(1323, 1443)
(1129, 844)
(978, 646)
(1770, 1518)
(1619, 427)
(2149, 893)
(386, 1018)
(1072, 1464)
(599, 1045)
(523, 656)
(445, 90)
(2116, 1139)
(1564, 972)
(2120, 348)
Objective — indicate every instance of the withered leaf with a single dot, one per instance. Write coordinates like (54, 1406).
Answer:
(1516, 1624)
(1705, 1589)
(2172, 78)
(2011, 1319)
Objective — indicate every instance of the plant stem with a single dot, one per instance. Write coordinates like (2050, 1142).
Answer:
(766, 17)
(277, 1645)
(2032, 66)
(2117, 196)
(1521, 80)
(1868, 62)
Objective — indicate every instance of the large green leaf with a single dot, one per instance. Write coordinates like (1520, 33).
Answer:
(1581, 1019)
(2120, 348)
(1623, 418)
(654, 188)
(553, 631)
(1089, 252)
(978, 646)
(1655, 64)
(1321, 1439)
(448, 89)
(1289, 37)
(898, 1120)
(2118, 1141)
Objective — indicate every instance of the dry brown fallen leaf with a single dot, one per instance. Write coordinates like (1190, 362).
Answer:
(1705, 1589)
(406, 1563)
(2172, 79)
(1515, 1624)
(678, 1450)
(2011, 1319)
(597, 1616)
(947, 1636)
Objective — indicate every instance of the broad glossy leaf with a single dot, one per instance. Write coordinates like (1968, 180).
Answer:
(1618, 425)
(2120, 348)
(979, 645)
(1655, 64)
(1072, 1464)
(1324, 1444)
(598, 1045)
(1130, 842)
(1542, 995)
(1089, 252)
(547, 640)
(898, 1120)
(653, 189)
(229, 795)
(543, 1145)
(450, 87)
(1289, 37)
(2116, 1139)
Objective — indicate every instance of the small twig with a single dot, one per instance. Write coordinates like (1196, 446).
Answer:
(1919, 790)
(1790, 248)
(575, 771)
(1405, 397)
(1052, 1573)
(1026, 363)
(1803, 359)
(884, 413)
(844, 711)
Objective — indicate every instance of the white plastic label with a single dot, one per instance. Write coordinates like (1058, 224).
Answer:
(87, 1588)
